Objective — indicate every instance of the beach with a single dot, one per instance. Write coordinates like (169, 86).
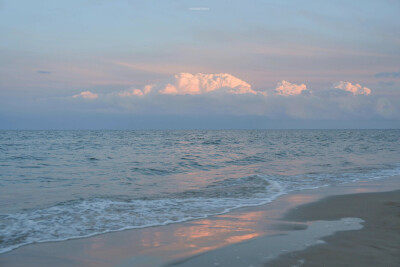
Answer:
(199, 133)
(252, 236)
(376, 244)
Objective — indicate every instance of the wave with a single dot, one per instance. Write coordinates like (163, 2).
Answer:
(88, 217)
(83, 218)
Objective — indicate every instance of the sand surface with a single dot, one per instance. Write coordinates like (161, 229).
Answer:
(377, 244)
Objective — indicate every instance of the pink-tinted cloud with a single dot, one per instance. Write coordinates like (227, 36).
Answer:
(355, 89)
(136, 92)
(224, 94)
(86, 95)
(286, 88)
(189, 84)
(196, 84)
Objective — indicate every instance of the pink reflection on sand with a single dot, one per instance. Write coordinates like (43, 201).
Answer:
(363, 190)
(237, 239)
(301, 199)
(223, 230)
(254, 216)
(197, 251)
(151, 240)
(97, 244)
(185, 240)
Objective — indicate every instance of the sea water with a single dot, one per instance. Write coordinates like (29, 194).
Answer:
(58, 185)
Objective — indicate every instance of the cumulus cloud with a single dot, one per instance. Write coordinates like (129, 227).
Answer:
(86, 95)
(224, 94)
(136, 92)
(355, 89)
(196, 84)
(186, 83)
(286, 88)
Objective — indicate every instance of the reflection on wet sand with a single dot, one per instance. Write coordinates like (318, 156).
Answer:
(151, 240)
(220, 231)
(299, 199)
(364, 190)
(180, 240)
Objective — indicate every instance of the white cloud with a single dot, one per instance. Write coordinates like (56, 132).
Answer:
(86, 95)
(186, 83)
(224, 94)
(286, 88)
(196, 84)
(355, 89)
(136, 92)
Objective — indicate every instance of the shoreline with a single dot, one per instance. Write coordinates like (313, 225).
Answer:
(376, 244)
(361, 229)
(157, 246)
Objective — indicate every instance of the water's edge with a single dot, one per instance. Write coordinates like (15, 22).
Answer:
(227, 210)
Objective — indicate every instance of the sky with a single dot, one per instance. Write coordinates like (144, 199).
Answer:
(169, 64)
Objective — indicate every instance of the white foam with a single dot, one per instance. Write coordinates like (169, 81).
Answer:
(85, 218)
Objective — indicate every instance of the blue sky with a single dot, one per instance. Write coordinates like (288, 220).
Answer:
(52, 51)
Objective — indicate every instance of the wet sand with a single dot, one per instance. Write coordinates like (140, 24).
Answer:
(377, 244)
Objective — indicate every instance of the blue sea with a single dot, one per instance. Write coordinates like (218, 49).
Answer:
(58, 185)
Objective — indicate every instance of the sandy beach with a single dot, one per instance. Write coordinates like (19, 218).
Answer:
(320, 227)
(252, 236)
(376, 244)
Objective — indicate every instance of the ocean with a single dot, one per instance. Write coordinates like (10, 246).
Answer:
(59, 185)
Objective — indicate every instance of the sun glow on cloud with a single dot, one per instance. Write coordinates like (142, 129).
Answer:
(224, 94)
(86, 95)
(196, 84)
(136, 92)
(227, 84)
(355, 89)
(286, 88)
(186, 83)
